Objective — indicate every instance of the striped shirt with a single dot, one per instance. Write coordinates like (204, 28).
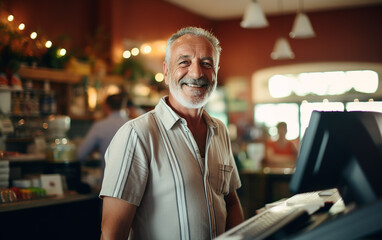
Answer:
(154, 163)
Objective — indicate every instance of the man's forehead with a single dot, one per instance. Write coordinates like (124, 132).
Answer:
(191, 42)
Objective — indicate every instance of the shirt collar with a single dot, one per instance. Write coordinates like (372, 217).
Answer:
(169, 117)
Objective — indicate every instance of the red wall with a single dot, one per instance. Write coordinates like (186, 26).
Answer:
(66, 22)
(342, 35)
(345, 35)
(149, 20)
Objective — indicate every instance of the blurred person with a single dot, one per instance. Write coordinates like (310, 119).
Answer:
(170, 173)
(133, 110)
(101, 132)
(282, 152)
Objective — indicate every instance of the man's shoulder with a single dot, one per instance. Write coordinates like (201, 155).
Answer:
(143, 121)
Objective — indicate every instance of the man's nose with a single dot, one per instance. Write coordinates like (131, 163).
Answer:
(195, 71)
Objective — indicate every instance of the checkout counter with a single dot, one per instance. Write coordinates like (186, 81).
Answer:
(263, 186)
(73, 213)
(70, 216)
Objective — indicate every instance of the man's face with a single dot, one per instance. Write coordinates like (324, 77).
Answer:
(191, 74)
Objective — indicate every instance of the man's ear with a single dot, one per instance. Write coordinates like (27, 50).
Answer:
(165, 72)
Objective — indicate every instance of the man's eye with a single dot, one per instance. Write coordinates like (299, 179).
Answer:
(183, 63)
(207, 64)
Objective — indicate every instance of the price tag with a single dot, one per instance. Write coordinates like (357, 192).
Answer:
(6, 126)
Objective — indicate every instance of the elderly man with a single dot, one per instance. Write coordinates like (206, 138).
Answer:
(170, 173)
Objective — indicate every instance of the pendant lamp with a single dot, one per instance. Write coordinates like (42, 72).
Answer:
(302, 28)
(254, 16)
(282, 50)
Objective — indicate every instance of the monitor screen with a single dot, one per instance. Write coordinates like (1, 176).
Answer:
(341, 150)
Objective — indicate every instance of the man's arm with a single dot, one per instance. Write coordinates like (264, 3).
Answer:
(234, 211)
(117, 218)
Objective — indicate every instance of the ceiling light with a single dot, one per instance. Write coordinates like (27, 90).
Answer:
(254, 16)
(282, 50)
(302, 28)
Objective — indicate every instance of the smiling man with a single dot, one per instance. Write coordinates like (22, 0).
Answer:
(170, 173)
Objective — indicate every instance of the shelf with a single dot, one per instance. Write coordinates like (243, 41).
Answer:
(11, 115)
(11, 90)
(62, 76)
(49, 74)
(27, 158)
(47, 201)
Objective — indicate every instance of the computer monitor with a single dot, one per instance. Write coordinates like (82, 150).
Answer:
(341, 150)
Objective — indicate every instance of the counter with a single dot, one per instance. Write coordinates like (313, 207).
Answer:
(46, 201)
(72, 216)
(263, 186)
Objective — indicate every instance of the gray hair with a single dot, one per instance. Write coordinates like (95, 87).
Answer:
(200, 32)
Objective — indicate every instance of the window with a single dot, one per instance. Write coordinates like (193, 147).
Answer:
(323, 83)
(269, 115)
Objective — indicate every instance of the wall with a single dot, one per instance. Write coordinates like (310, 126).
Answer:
(342, 35)
(148, 20)
(68, 23)
(82, 26)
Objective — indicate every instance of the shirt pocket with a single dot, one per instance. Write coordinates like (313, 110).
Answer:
(224, 178)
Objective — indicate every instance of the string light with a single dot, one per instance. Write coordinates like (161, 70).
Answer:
(22, 26)
(126, 54)
(146, 49)
(48, 44)
(134, 51)
(33, 35)
(11, 18)
(61, 52)
(159, 77)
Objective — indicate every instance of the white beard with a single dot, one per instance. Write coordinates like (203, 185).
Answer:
(198, 101)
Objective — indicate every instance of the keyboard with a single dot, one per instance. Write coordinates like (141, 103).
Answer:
(278, 215)
(265, 223)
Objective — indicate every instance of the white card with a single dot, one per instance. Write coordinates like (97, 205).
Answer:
(52, 183)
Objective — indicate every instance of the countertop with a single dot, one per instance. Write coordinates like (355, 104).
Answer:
(46, 201)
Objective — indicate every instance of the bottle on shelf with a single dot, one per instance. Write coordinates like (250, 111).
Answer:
(4, 171)
(48, 103)
(16, 103)
(27, 104)
(35, 104)
(52, 103)
(44, 104)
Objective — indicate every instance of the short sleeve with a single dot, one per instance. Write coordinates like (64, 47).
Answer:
(126, 167)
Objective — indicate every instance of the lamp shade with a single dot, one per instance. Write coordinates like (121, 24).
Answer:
(254, 16)
(282, 50)
(302, 28)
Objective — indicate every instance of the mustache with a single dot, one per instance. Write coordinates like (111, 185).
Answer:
(202, 81)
